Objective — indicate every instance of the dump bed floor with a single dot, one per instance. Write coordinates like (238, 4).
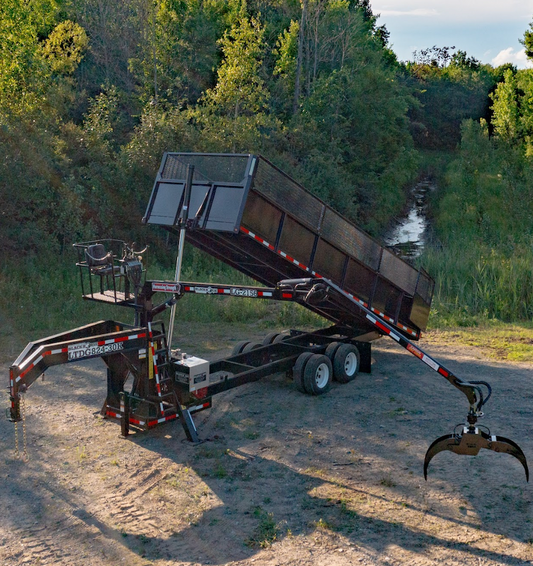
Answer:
(252, 216)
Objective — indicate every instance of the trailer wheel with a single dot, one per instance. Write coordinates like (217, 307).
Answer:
(318, 374)
(270, 338)
(251, 346)
(298, 371)
(331, 349)
(280, 338)
(346, 363)
(238, 348)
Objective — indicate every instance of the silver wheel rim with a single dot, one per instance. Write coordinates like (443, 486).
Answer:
(350, 364)
(322, 376)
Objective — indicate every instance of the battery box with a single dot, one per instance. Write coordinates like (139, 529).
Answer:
(193, 371)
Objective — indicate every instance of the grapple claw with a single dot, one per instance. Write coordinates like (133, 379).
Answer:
(470, 441)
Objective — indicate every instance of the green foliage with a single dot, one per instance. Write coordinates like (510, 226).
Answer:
(527, 42)
(84, 124)
(65, 47)
(451, 87)
(483, 263)
(505, 108)
(177, 60)
(513, 110)
(233, 115)
(23, 71)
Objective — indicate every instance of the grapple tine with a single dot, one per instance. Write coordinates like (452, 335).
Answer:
(470, 442)
(446, 442)
(502, 444)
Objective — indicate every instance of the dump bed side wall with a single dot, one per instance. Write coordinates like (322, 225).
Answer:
(301, 225)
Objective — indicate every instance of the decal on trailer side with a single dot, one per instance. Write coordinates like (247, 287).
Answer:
(166, 287)
(89, 349)
(205, 290)
(244, 292)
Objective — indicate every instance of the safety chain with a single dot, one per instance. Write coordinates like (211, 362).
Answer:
(24, 435)
(17, 454)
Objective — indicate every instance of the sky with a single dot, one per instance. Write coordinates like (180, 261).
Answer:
(489, 30)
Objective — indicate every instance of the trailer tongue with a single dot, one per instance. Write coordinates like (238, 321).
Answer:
(244, 211)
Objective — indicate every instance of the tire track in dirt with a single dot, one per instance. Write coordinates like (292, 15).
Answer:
(40, 545)
(129, 508)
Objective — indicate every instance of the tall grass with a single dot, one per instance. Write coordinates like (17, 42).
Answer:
(483, 221)
(43, 297)
(474, 283)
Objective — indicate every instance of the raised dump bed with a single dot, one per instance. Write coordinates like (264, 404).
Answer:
(249, 214)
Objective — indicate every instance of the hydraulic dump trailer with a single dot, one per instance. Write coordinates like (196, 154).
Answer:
(244, 211)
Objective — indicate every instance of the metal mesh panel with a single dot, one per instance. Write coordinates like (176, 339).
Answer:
(218, 168)
(425, 287)
(396, 270)
(329, 261)
(349, 239)
(288, 195)
(261, 217)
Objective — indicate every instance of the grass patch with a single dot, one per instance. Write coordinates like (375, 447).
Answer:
(266, 531)
(496, 339)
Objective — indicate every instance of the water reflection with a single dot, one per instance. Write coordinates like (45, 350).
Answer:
(407, 238)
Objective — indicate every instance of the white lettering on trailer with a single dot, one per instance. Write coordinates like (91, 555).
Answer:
(165, 287)
(244, 292)
(205, 290)
(90, 349)
(427, 360)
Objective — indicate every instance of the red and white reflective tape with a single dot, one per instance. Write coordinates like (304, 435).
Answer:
(205, 405)
(119, 416)
(163, 420)
(315, 274)
(259, 239)
(121, 339)
(38, 360)
(383, 328)
(41, 356)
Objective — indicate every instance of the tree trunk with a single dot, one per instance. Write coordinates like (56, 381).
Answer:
(299, 60)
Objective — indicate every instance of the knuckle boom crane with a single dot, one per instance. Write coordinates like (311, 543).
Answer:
(246, 212)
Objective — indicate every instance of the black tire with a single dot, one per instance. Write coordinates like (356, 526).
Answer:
(331, 349)
(280, 338)
(318, 374)
(298, 371)
(251, 346)
(270, 338)
(346, 363)
(238, 348)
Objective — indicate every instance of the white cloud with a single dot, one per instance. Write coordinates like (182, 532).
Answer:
(418, 12)
(458, 11)
(509, 55)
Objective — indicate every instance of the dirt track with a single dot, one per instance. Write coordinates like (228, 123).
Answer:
(282, 478)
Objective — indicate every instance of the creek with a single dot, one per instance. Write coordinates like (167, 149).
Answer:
(407, 238)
